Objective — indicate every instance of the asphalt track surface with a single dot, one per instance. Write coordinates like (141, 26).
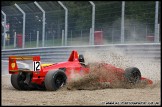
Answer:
(138, 96)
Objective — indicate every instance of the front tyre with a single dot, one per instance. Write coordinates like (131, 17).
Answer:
(132, 75)
(55, 79)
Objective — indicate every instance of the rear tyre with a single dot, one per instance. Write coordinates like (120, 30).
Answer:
(55, 79)
(132, 75)
(21, 80)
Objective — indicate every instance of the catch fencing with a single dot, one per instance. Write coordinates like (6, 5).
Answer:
(118, 22)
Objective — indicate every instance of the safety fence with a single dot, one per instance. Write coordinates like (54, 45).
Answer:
(118, 22)
(56, 54)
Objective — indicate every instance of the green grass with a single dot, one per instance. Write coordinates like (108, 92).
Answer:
(32, 44)
(74, 42)
(56, 42)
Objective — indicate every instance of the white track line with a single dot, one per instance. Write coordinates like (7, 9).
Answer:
(24, 64)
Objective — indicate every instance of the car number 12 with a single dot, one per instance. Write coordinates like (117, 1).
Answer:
(36, 65)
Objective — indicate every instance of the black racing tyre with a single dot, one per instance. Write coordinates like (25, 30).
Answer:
(19, 80)
(132, 75)
(55, 79)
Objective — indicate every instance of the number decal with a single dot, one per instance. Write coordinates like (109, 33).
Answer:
(36, 66)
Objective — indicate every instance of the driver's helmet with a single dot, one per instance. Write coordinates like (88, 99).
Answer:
(81, 58)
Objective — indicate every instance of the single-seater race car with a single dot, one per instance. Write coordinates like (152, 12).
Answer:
(53, 76)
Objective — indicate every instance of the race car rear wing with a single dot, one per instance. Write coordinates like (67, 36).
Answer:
(13, 67)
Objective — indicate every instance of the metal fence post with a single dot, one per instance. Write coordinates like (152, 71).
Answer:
(30, 38)
(146, 32)
(53, 39)
(71, 36)
(112, 39)
(156, 22)
(62, 37)
(158, 33)
(24, 15)
(66, 21)
(90, 37)
(4, 34)
(81, 35)
(93, 22)
(37, 38)
(122, 22)
(15, 40)
(43, 31)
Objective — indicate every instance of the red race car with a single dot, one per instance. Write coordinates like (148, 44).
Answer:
(53, 76)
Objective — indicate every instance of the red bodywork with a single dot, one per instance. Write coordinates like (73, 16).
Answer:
(72, 68)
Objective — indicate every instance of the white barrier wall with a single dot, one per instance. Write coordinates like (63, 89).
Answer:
(146, 50)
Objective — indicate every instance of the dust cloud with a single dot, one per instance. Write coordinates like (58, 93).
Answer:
(149, 69)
